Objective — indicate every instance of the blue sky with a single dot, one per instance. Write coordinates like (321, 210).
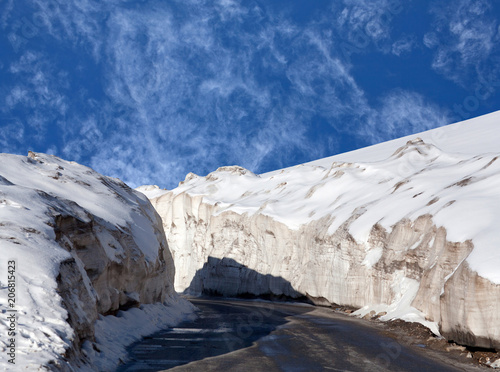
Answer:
(148, 91)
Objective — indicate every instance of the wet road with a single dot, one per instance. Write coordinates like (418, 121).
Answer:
(232, 335)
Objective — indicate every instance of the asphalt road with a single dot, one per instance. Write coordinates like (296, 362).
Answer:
(234, 335)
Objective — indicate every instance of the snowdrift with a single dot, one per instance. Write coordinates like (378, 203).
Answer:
(405, 229)
(78, 245)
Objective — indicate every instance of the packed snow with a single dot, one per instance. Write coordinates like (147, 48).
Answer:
(34, 191)
(115, 333)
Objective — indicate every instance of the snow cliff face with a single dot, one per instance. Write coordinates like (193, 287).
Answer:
(413, 236)
(83, 245)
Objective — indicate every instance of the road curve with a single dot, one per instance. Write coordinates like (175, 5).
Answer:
(235, 335)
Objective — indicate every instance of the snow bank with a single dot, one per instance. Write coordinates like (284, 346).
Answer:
(78, 245)
(407, 228)
(114, 333)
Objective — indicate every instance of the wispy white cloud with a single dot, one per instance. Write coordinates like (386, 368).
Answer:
(230, 9)
(368, 22)
(431, 40)
(11, 135)
(36, 91)
(464, 36)
(40, 84)
(6, 9)
(402, 113)
(193, 85)
(219, 105)
(80, 21)
(404, 45)
(85, 139)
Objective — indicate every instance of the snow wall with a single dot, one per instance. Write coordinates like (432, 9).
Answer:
(79, 245)
(412, 237)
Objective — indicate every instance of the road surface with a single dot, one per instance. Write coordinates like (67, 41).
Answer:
(234, 335)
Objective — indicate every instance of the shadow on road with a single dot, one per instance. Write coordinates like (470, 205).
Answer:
(221, 327)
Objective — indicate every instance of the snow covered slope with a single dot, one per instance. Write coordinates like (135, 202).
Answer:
(74, 246)
(407, 229)
(470, 137)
